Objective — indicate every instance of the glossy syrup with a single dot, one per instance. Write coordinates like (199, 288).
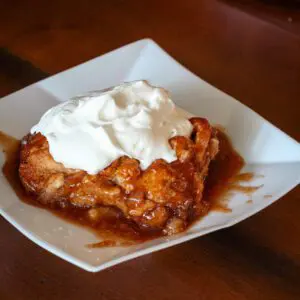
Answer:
(224, 177)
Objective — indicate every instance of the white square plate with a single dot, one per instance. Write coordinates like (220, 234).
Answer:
(267, 150)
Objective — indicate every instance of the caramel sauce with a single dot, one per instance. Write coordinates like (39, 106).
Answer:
(110, 243)
(11, 148)
(243, 177)
(223, 178)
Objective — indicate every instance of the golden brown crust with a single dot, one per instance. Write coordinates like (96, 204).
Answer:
(163, 197)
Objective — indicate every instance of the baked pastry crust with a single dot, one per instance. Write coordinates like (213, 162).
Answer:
(165, 196)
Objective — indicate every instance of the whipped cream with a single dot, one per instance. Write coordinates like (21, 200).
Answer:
(134, 119)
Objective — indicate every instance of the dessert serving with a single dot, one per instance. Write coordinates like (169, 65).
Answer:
(126, 167)
(126, 148)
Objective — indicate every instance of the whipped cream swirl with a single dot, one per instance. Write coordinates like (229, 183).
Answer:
(134, 119)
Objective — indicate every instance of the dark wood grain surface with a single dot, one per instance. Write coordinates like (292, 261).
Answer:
(242, 47)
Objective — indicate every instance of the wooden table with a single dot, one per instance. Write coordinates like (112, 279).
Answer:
(247, 49)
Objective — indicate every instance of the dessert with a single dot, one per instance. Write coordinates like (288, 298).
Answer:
(128, 148)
